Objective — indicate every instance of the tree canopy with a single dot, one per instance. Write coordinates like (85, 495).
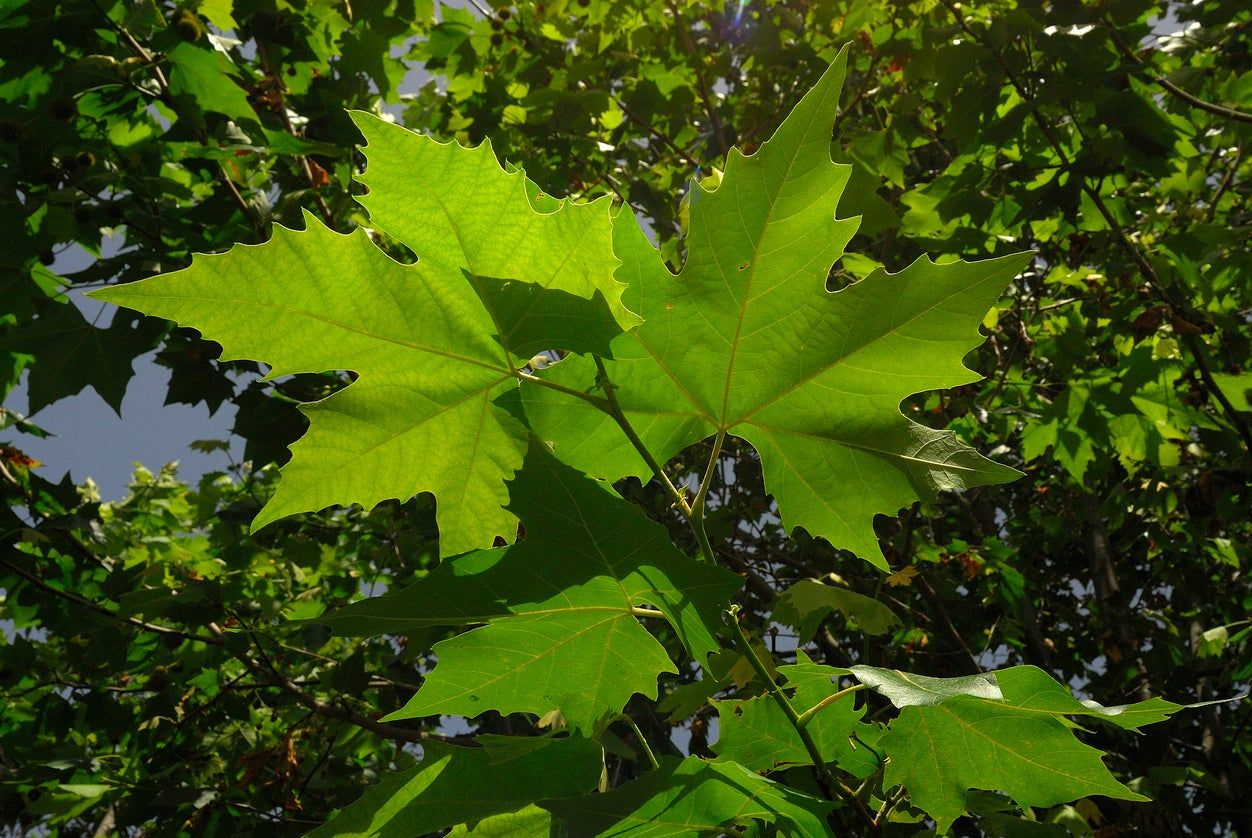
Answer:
(692, 417)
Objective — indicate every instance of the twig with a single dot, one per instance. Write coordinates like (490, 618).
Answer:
(307, 168)
(830, 785)
(614, 410)
(100, 609)
(647, 126)
(702, 86)
(643, 743)
(1194, 101)
(1227, 179)
(268, 670)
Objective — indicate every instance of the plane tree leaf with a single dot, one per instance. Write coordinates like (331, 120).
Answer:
(419, 418)
(906, 689)
(74, 353)
(458, 208)
(430, 342)
(1030, 688)
(1006, 731)
(528, 822)
(1027, 688)
(456, 785)
(558, 611)
(690, 797)
(746, 340)
(940, 751)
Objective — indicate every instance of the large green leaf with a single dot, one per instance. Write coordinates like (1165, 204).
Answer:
(906, 689)
(940, 751)
(72, 353)
(747, 341)
(529, 822)
(430, 342)
(688, 798)
(455, 785)
(420, 417)
(1005, 730)
(561, 627)
(457, 208)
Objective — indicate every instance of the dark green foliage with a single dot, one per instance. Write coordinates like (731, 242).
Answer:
(153, 678)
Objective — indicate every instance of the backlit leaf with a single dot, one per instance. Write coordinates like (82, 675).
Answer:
(746, 340)
(689, 798)
(454, 785)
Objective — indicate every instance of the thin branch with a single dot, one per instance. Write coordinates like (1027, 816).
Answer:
(100, 609)
(643, 742)
(651, 129)
(702, 85)
(830, 785)
(1190, 99)
(614, 409)
(269, 671)
(305, 165)
(1227, 179)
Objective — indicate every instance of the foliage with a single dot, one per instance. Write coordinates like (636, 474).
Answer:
(162, 672)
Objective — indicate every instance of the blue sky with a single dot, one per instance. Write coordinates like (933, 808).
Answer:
(90, 440)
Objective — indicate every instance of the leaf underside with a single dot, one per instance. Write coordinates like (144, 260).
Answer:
(747, 341)
(430, 342)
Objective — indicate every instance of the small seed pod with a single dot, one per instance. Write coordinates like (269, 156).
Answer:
(188, 25)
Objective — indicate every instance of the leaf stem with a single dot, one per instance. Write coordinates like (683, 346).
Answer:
(639, 611)
(614, 409)
(643, 742)
(595, 401)
(807, 716)
(830, 785)
(696, 518)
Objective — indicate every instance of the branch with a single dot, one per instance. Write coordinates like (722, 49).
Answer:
(647, 126)
(267, 670)
(322, 207)
(702, 86)
(1194, 101)
(100, 609)
(614, 409)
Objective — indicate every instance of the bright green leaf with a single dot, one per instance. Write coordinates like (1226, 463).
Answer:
(455, 785)
(747, 341)
(806, 603)
(690, 798)
(940, 751)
